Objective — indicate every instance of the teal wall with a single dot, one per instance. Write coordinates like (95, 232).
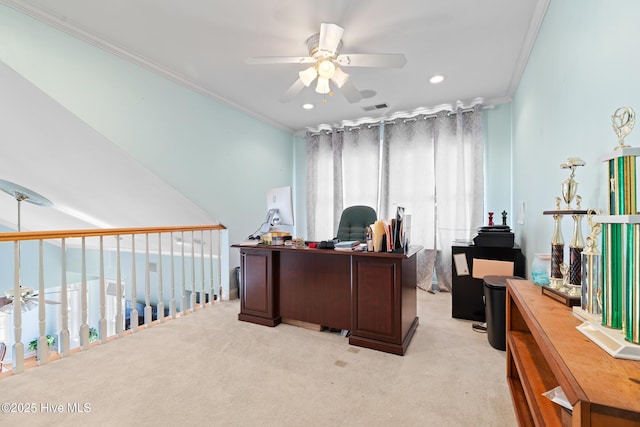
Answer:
(210, 152)
(29, 268)
(498, 164)
(584, 65)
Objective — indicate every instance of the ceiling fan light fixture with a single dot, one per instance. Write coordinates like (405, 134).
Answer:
(326, 68)
(323, 85)
(308, 76)
(340, 77)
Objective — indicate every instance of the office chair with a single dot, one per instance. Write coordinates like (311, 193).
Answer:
(354, 221)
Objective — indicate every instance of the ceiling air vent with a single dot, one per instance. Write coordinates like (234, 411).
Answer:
(375, 107)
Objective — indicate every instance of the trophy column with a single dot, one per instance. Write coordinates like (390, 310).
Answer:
(575, 255)
(557, 253)
(592, 271)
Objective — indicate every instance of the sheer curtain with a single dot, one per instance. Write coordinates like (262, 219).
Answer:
(324, 182)
(432, 165)
(342, 171)
(360, 163)
(408, 181)
(459, 183)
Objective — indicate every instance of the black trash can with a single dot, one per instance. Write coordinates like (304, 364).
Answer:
(495, 301)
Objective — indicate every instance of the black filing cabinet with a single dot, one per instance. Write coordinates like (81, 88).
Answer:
(466, 291)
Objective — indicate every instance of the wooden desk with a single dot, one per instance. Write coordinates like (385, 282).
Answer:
(371, 294)
(544, 350)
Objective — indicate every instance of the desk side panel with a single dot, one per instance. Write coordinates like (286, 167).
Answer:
(377, 295)
(409, 298)
(257, 298)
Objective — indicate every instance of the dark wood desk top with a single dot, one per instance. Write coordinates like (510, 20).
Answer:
(413, 249)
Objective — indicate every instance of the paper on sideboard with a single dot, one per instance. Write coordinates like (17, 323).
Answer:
(490, 267)
(462, 268)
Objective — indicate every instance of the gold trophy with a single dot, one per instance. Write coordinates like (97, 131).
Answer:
(622, 121)
(570, 186)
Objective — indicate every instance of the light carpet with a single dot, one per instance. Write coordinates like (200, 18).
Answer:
(208, 368)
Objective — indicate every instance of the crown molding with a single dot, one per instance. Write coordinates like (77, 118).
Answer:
(527, 46)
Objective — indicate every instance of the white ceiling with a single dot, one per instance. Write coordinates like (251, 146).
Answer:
(481, 46)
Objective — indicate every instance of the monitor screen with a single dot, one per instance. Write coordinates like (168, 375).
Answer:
(280, 199)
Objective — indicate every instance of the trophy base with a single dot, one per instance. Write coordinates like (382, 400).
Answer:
(560, 296)
(610, 340)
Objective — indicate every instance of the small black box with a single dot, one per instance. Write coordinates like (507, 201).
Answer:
(494, 239)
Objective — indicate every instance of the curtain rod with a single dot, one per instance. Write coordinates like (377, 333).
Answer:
(429, 112)
(388, 122)
(429, 116)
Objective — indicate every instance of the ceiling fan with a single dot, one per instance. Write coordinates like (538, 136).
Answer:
(28, 297)
(325, 59)
(28, 300)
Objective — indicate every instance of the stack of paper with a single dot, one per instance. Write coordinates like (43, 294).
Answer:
(348, 245)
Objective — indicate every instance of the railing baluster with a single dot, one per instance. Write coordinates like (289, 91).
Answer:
(102, 324)
(84, 327)
(133, 316)
(184, 291)
(220, 266)
(42, 340)
(147, 285)
(203, 295)
(18, 348)
(119, 314)
(64, 333)
(172, 306)
(211, 290)
(193, 273)
(160, 293)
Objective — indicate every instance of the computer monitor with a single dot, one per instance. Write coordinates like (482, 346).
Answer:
(279, 208)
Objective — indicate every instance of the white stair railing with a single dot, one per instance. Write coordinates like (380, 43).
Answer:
(77, 333)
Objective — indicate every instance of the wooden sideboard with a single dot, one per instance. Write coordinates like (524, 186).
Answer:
(372, 295)
(544, 350)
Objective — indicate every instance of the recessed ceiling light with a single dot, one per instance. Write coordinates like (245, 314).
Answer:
(308, 106)
(436, 79)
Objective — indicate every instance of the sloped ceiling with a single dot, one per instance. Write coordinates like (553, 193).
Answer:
(89, 180)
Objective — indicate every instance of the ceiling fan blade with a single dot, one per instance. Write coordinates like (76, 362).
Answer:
(293, 91)
(36, 299)
(330, 35)
(384, 60)
(4, 301)
(351, 92)
(280, 60)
